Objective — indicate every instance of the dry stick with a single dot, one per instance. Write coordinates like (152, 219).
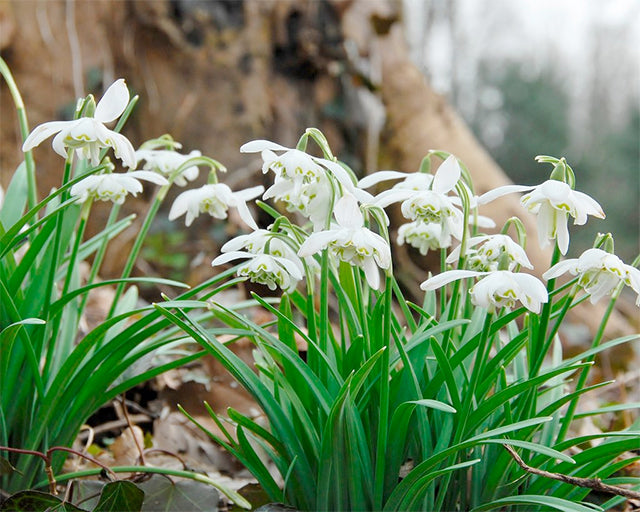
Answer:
(134, 419)
(591, 483)
(133, 433)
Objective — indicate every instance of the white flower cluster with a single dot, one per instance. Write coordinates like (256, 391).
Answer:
(323, 192)
(88, 136)
(341, 212)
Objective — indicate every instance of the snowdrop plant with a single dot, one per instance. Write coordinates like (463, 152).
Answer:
(88, 135)
(376, 401)
(55, 371)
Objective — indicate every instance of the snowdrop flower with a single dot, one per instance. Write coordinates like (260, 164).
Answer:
(113, 187)
(273, 271)
(424, 196)
(312, 199)
(350, 241)
(553, 202)
(266, 241)
(489, 252)
(304, 182)
(296, 165)
(166, 162)
(498, 289)
(215, 199)
(88, 135)
(599, 272)
(424, 236)
(253, 242)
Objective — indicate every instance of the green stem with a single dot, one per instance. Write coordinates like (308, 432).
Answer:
(584, 373)
(32, 192)
(383, 417)
(537, 350)
(99, 257)
(55, 256)
(135, 250)
(323, 340)
(556, 326)
(59, 351)
(482, 352)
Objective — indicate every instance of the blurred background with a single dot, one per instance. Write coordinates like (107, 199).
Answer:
(559, 77)
(495, 81)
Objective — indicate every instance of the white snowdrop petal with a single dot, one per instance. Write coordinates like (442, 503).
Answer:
(113, 102)
(447, 175)
(257, 146)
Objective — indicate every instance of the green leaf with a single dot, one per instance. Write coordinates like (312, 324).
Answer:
(434, 404)
(120, 495)
(15, 197)
(610, 408)
(36, 501)
(534, 447)
(545, 501)
(163, 495)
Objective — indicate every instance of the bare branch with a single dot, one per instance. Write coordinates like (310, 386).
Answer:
(592, 483)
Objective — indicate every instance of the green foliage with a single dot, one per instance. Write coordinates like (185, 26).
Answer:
(54, 371)
(36, 501)
(398, 406)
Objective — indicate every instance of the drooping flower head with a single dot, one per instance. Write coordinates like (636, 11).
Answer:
(88, 135)
(167, 162)
(113, 187)
(304, 183)
(273, 271)
(553, 202)
(424, 236)
(599, 272)
(350, 241)
(214, 199)
(492, 252)
(497, 289)
(425, 198)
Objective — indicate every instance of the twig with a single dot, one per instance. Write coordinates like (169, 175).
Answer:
(592, 483)
(133, 433)
(116, 424)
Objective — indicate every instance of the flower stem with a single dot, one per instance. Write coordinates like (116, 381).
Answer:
(99, 257)
(556, 326)
(584, 372)
(32, 192)
(61, 350)
(537, 351)
(55, 256)
(135, 250)
(482, 351)
(383, 417)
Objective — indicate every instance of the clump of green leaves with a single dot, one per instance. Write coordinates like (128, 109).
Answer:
(393, 405)
(54, 370)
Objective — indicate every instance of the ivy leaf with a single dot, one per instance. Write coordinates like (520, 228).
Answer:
(36, 501)
(160, 495)
(163, 495)
(120, 495)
